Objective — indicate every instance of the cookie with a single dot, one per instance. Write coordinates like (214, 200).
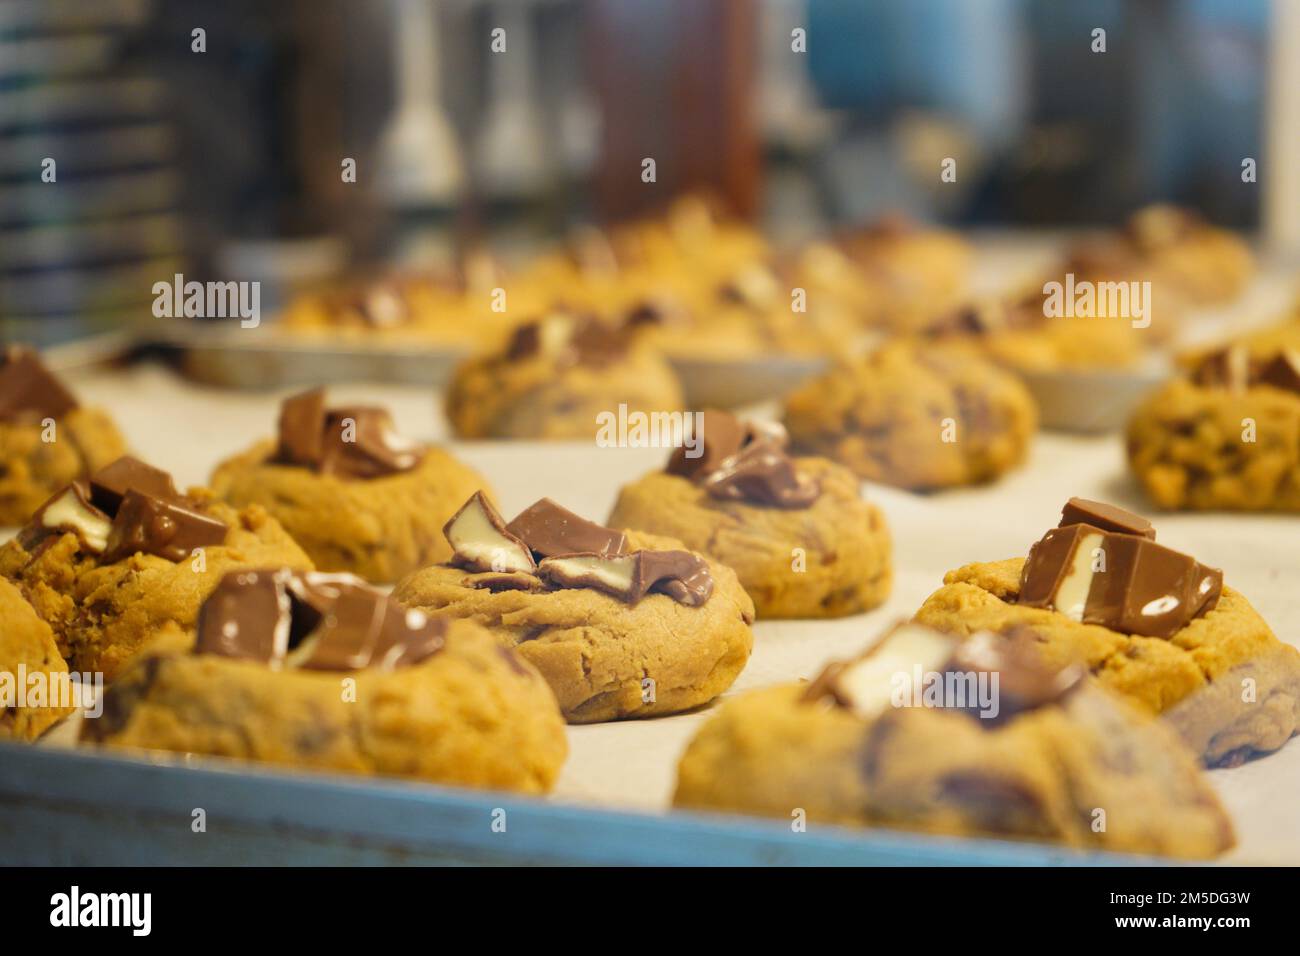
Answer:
(31, 669)
(46, 439)
(620, 625)
(1051, 757)
(110, 564)
(373, 506)
(825, 553)
(1219, 676)
(358, 685)
(554, 379)
(1204, 442)
(921, 417)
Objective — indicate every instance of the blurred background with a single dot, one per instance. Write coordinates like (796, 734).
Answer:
(214, 138)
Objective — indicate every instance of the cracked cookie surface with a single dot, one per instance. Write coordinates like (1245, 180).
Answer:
(1186, 445)
(1198, 679)
(470, 715)
(102, 614)
(845, 541)
(1039, 776)
(886, 415)
(376, 528)
(604, 659)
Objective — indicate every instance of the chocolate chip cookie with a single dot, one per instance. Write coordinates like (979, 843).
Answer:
(916, 416)
(31, 669)
(330, 674)
(46, 438)
(554, 379)
(620, 625)
(355, 495)
(1150, 623)
(796, 531)
(110, 562)
(1226, 436)
(974, 738)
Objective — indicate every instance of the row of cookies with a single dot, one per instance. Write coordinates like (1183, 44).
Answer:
(695, 283)
(188, 604)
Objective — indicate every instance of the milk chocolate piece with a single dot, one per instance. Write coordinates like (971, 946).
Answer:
(168, 529)
(720, 436)
(362, 443)
(1025, 682)
(865, 684)
(1281, 371)
(550, 530)
(1106, 517)
(302, 429)
(630, 577)
(248, 616)
(284, 618)
(28, 390)
(1119, 581)
(568, 340)
(354, 442)
(1228, 368)
(480, 542)
(109, 485)
(762, 473)
(69, 510)
(656, 311)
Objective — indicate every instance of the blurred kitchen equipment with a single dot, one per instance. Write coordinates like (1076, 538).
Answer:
(419, 154)
(512, 147)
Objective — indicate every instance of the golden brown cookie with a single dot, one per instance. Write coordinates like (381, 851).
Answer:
(1209, 448)
(27, 650)
(1224, 681)
(32, 468)
(378, 528)
(554, 380)
(916, 416)
(1040, 776)
(103, 612)
(827, 560)
(605, 659)
(469, 715)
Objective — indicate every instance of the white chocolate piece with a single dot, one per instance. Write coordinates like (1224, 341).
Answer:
(866, 684)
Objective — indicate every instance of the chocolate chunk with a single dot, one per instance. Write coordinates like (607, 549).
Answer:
(679, 574)
(69, 510)
(568, 340)
(166, 528)
(762, 473)
(1281, 371)
(351, 442)
(1106, 517)
(630, 577)
(1024, 682)
(283, 618)
(109, 485)
(1228, 368)
(247, 616)
(362, 443)
(1120, 581)
(719, 436)
(28, 390)
(302, 429)
(865, 684)
(550, 530)
(659, 311)
(480, 542)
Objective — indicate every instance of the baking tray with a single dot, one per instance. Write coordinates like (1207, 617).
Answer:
(80, 808)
